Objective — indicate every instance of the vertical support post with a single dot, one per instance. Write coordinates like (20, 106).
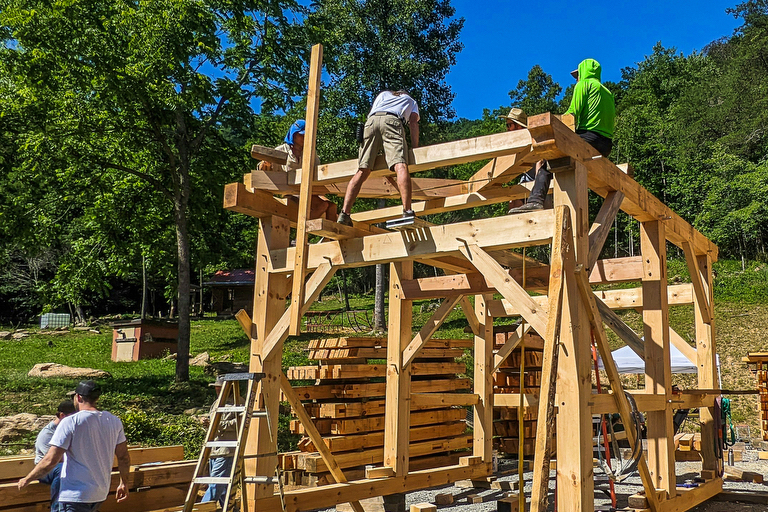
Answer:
(658, 371)
(269, 297)
(308, 167)
(575, 484)
(706, 362)
(483, 382)
(398, 397)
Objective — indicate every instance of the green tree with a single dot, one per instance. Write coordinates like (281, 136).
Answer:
(537, 94)
(121, 88)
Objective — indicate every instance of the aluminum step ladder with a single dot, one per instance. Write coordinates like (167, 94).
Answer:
(245, 410)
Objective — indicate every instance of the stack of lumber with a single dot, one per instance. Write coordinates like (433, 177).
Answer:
(507, 380)
(687, 447)
(159, 478)
(758, 363)
(347, 405)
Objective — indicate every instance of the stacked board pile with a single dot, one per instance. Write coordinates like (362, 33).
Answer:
(158, 479)
(507, 380)
(758, 363)
(347, 403)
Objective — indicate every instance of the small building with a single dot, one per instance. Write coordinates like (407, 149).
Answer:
(231, 291)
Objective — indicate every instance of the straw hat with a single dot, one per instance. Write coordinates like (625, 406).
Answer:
(518, 116)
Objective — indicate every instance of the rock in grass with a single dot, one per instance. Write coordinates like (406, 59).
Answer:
(200, 359)
(46, 370)
(5, 335)
(20, 424)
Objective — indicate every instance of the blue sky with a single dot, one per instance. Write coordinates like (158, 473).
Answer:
(503, 40)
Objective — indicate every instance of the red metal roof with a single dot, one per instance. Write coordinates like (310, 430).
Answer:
(236, 277)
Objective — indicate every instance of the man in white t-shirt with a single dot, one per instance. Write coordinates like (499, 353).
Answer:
(89, 439)
(385, 129)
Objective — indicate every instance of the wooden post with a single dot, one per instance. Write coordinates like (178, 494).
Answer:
(308, 168)
(398, 396)
(658, 371)
(575, 485)
(269, 297)
(705, 354)
(483, 416)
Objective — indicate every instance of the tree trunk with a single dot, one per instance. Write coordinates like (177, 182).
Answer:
(143, 286)
(182, 242)
(379, 323)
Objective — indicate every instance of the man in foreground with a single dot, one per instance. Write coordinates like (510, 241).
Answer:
(43, 444)
(90, 438)
(385, 129)
(594, 111)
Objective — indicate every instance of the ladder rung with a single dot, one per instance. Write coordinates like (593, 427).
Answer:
(243, 376)
(231, 408)
(221, 444)
(259, 413)
(260, 480)
(212, 480)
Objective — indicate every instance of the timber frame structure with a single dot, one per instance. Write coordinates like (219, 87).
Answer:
(476, 261)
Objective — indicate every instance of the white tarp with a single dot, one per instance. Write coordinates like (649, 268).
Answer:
(629, 362)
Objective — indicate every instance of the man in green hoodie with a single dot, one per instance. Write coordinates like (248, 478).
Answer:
(594, 111)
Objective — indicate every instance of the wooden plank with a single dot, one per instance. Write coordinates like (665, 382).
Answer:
(370, 390)
(267, 154)
(305, 194)
(688, 498)
(359, 371)
(469, 313)
(482, 442)
(327, 457)
(604, 404)
(680, 344)
(256, 203)
(506, 286)
(502, 169)
(430, 327)
(245, 322)
(602, 225)
(615, 382)
(525, 229)
(622, 330)
(658, 371)
(346, 443)
(575, 486)
(562, 259)
(444, 399)
(334, 230)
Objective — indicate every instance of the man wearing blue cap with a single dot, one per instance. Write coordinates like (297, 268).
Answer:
(293, 145)
(91, 439)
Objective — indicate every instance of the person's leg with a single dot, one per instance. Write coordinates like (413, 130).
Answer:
(224, 469)
(369, 149)
(602, 144)
(540, 189)
(210, 493)
(353, 189)
(55, 476)
(79, 507)
(404, 185)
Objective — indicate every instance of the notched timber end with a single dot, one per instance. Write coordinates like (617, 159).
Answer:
(238, 198)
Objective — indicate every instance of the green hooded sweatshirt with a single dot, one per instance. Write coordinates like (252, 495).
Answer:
(592, 104)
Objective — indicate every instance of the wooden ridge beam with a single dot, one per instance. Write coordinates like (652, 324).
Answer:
(526, 229)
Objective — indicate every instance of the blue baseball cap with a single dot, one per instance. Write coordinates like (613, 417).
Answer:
(297, 127)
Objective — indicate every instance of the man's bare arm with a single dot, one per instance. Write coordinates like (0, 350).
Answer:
(43, 467)
(124, 467)
(413, 124)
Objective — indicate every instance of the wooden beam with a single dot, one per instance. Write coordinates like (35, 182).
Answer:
(706, 362)
(314, 435)
(482, 432)
(453, 285)
(680, 344)
(429, 328)
(622, 330)
(334, 230)
(429, 157)
(506, 286)
(658, 370)
(510, 345)
(606, 403)
(237, 198)
(305, 194)
(271, 155)
(602, 225)
(562, 260)
(398, 386)
(269, 297)
(615, 382)
(502, 169)
(526, 229)
(699, 288)
(245, 322)
(444, 399)
(575, 486)
(469, 313)
(314, 286)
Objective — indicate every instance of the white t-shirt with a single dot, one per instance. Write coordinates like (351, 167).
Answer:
(89, 438)
(402, 105)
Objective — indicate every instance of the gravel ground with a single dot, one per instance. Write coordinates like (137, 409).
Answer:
(686, 472)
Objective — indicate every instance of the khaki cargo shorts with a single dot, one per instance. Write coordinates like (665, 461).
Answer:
(387, 132)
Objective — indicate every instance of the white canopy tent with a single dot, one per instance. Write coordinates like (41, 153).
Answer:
(629, 362)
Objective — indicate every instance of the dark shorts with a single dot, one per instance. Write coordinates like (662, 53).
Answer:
(68, 506)
(600, 142)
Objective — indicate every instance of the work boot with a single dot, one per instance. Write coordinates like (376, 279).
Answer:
(527, 207)
(344, 219)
